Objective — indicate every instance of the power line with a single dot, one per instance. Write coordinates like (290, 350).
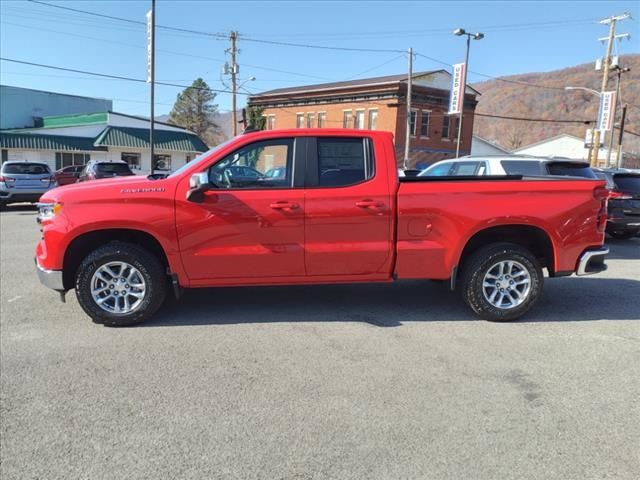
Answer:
(114, 77)
(501, 79)
(376, 67)
(320, 47)
(128, 20)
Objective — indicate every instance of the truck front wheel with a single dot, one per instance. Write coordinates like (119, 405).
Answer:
(501, 282)
(120, 284)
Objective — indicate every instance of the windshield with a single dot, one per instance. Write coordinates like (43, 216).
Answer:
(571, 169)
(200, 157)
(113, 168)
(628, 183)
(25, 168)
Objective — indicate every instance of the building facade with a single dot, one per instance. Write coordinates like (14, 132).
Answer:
(378, 104)
(66, 140)
(24, 107)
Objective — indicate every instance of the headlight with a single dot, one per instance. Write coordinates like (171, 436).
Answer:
(46, 211)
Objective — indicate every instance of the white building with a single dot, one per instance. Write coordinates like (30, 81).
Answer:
(481, 147)
(565, 146)
(75, 139)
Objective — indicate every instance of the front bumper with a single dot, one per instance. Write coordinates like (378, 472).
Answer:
(50, 278)
(592, 261)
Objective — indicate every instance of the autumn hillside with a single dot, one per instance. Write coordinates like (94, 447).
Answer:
(516, 100)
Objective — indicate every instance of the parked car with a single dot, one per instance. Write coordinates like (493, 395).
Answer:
(67, 175)
(98, 169)
(509, 165)
(343, 215)
(624, 202)
(24, 181)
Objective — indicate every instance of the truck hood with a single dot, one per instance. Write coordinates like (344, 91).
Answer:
(107, 189)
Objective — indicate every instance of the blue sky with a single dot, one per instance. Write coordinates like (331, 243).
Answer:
(520, 37)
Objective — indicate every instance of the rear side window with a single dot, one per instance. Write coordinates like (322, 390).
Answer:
(571, 170)
(521, 167)
(25, 168)
(112, 168)
(343, 161)
(627, 183)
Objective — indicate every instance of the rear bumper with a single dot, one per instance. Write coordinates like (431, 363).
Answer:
(50, 278)
(7, 196)
(592, 261)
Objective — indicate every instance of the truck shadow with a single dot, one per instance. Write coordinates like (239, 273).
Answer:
(391, 305)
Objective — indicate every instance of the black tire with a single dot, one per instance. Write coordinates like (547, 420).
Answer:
(623, 235)
(149, 267)
(481, 262)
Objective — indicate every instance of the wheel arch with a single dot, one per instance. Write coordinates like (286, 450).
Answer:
(534, 238)
(85, 243)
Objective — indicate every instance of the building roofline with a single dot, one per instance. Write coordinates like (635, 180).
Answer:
(547, 140)
(358, 83)
(58, 93)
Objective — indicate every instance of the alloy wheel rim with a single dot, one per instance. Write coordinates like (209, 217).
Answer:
(506, 284)
(118, 287)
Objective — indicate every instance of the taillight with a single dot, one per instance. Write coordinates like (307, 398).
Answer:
(619, 196)
(602, 194)
(7, 179)
(47, 180)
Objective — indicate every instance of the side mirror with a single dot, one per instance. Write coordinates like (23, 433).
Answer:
(198, 184)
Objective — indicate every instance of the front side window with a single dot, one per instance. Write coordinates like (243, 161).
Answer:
(425, 120)
(465, 168)
(266, 164)
(133, 159)
(343, 161)
(299, 120)
(347, 119)
(373, 119)
(439, 170)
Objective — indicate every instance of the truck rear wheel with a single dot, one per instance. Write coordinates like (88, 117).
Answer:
(120, 284)
(501, 282)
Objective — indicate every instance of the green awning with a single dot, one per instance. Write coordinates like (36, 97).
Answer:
(129, 137)
(31, 141)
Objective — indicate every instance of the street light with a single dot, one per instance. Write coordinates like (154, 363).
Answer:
(250, 79)
(459, 32)
(590, 90)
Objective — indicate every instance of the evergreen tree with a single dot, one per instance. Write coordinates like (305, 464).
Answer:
(194, 110)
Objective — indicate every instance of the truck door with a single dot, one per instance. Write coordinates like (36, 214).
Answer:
(348, 209)
(250, 225)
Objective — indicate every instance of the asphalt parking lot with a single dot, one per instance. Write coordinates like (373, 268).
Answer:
(335, 382)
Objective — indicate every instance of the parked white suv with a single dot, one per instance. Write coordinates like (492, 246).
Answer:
(509, 165)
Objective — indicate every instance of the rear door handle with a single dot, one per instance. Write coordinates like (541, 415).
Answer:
(369, 204)
(283, 205)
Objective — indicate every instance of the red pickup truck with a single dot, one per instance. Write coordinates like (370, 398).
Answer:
(314, 206)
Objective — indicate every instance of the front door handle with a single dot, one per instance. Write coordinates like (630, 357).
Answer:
(369, 204)
(283, 205)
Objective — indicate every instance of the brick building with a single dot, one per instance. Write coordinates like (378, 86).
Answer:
(378, 104)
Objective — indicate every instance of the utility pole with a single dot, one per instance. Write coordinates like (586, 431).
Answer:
(622, 120)
(464, 93)
(619, 72)
(407, 139)
(605, 77)
(151, 74)
(234, 72)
